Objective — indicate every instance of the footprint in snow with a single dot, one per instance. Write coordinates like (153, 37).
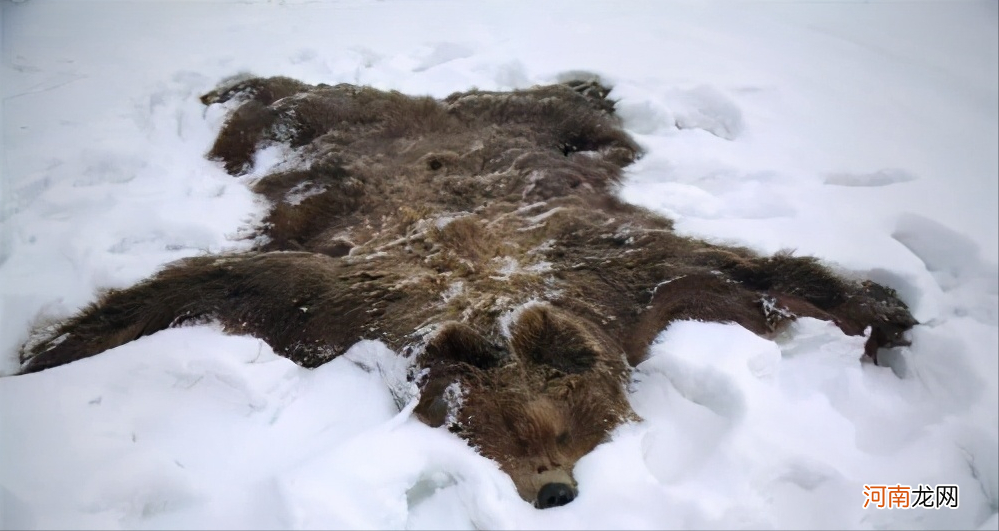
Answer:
(956, 264)
(439, 53)
(882, 177)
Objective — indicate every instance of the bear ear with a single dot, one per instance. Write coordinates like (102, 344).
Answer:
(544, 335)
(432, 409)
(453, 344)
(457, 342)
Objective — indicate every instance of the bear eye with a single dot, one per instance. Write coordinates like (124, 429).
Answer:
(563, 438)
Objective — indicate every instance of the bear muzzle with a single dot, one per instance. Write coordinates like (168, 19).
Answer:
(555, 495)
(551, 488)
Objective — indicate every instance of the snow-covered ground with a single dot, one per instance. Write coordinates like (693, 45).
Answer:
(862, 133)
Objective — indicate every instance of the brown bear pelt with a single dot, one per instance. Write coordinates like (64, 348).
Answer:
(480, 236)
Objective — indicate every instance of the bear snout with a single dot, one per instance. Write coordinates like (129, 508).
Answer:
(547, 488)
(554, 495)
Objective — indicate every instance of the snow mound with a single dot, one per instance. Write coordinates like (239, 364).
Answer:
(704, 108)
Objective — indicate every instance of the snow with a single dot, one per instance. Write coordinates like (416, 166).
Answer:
(864, 133)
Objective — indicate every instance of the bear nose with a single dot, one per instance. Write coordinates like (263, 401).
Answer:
(555, 495)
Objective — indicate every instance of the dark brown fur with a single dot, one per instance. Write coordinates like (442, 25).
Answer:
(480, 235)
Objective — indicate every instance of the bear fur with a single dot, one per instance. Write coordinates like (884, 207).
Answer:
(480, 236)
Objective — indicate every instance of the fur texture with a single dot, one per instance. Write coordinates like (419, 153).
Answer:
(481, 236)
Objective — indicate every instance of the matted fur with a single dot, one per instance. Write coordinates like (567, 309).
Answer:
(481, 235)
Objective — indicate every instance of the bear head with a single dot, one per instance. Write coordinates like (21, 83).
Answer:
(535, 399)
